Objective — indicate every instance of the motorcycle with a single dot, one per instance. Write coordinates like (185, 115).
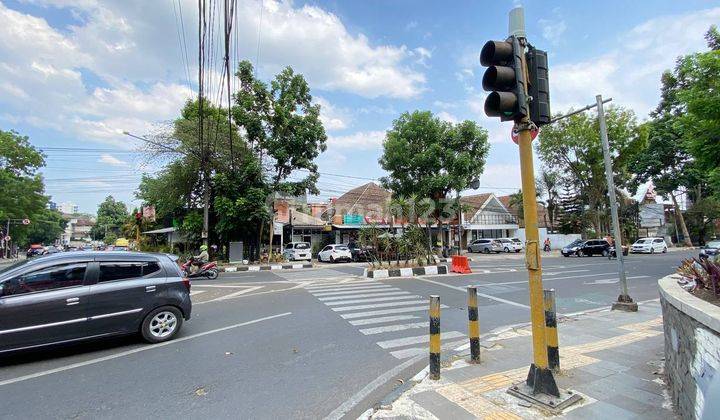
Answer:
(209, 270)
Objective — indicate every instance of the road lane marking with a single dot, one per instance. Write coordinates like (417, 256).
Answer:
(368, 389)
(387, 312)
(197, 292)
(318, 286)
(136, 350)
(378, 305)
(394, 327)
(382, 319)
(544, 279)
(464, 290)
(380, 299)
(377, 294)
(611, 280)
(234, 294)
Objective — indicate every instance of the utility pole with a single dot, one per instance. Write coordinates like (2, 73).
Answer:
(624, 301)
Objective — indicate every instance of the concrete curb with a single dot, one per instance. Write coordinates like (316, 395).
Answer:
(232, 269)
(701, 311)
(431, 270)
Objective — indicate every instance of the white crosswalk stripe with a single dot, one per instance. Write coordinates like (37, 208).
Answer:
(364, 295)
(383, 319)
(414, 351)
(368, 300)
(394, 327)
(399, 342)
(378, 305)
(384, 311)
(373, 289)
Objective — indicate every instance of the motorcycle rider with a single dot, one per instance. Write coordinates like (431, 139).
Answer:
(201, 259)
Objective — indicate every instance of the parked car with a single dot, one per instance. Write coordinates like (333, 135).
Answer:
(73, 296)
(649, 245)
(35, 250)
(594, 247)
(508, 245)
(360, 253)
(518, 242)
(334, 253)
(52, 250)
(485, 246)
(711, 249)
(298, 251)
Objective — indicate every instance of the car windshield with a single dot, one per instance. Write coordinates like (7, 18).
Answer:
(576, 242)
(713, 244)
(303, 245)
(642, 241)
(516, 240)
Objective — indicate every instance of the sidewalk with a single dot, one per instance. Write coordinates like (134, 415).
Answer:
(614, 360)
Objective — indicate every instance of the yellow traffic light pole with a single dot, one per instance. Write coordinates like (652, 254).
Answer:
(540, 378)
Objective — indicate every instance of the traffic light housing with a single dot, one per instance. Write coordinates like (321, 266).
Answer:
(504, 80)
(538, 86)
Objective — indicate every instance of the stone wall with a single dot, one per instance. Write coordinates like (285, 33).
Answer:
(692, 346)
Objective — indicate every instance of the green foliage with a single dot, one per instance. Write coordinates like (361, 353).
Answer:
(283, 125)
(45, 228)
(111, 216)
(21, 185)
(572, 148)
(429, 157)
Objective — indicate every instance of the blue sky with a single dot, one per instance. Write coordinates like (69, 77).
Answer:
(76, 73)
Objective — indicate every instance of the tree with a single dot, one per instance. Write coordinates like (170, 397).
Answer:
(21, 185)
(111, 216)
(284, 127)
(698, 93)
(572, 147)
(45, 228)
(428, 157)
(550, 182)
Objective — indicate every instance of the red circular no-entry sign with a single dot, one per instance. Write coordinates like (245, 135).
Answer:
(514, 134)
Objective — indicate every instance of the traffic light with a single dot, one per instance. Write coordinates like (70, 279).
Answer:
(504, 80)
(538, 86)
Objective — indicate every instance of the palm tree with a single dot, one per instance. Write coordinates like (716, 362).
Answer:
(550, 182)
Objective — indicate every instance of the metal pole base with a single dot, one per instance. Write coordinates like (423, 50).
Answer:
(625, 303)
(540, 389)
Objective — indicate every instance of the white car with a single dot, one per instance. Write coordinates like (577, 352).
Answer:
(298, 251)
(508, 245)
(649, 245)
(335, 253)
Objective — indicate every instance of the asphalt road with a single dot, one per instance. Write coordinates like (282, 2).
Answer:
(309, 343)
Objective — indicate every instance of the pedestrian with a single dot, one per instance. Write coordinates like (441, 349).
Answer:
(546, 246)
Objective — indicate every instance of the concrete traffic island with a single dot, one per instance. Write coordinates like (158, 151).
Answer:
(265, 267)
(692, 346)
(382, 273)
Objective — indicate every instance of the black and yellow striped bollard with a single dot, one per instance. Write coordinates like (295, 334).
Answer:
(473, 324)
(434, 337)
(551, 333)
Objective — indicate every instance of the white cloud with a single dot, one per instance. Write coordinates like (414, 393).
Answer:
(632, 76)
(332, 117)
(423, 55)
(111, 160)
(553, 30)
(446, 116)
(362, 140)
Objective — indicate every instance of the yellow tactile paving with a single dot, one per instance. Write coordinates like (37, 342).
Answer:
(643, 325)
(469, 394)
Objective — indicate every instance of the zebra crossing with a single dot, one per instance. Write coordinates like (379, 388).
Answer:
(397, 319)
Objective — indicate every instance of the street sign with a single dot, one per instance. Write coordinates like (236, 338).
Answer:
(514, 134)
(26, 221)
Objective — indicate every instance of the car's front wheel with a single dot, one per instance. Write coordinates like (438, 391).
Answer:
(162, 324)
(605, 253)
(506, 249)
(664, 250)
(652, 250)
(486, 250)
(580, 253)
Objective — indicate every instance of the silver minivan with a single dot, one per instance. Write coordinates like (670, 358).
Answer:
(298, 251)
(485, 246)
